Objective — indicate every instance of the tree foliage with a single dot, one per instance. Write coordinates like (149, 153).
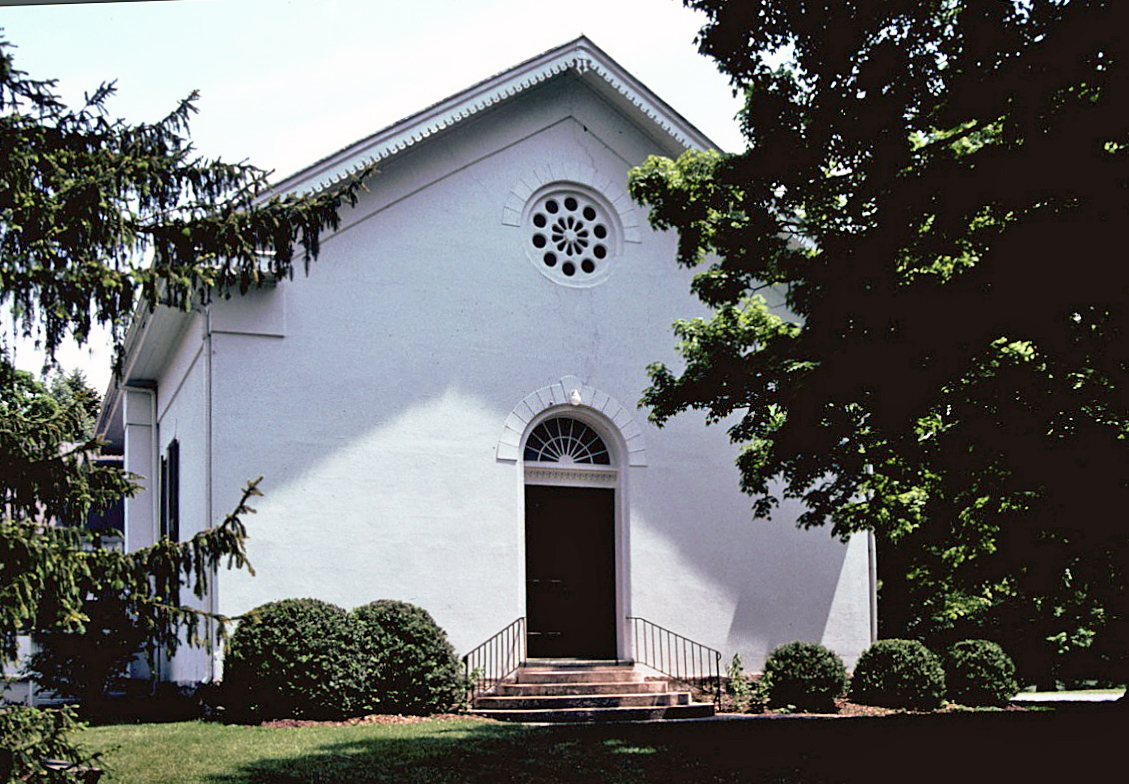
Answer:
(28, 735)
(98, 214)
(52, 569)
(100, 217)
(45, 473)
(71, 386)
(934, 191)
(90, 666)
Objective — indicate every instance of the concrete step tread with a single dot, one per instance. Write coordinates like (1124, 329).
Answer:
(548, 689)
(579, 666)
(693, 710)
(556, 702)
(600, 675)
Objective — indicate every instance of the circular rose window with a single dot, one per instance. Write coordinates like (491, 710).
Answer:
(570, 237)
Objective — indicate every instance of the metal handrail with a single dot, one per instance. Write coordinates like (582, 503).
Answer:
(495, 660)
(676, 656)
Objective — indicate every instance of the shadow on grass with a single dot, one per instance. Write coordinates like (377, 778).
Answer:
(1076, 743)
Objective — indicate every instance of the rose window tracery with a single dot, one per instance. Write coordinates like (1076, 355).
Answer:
(571, 237)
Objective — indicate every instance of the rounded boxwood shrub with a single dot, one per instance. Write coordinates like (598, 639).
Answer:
(294, 658)
(979, 673)
(805, 675)
(410, 665)
(898, 674)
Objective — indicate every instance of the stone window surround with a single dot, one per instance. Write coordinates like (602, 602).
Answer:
(578, 174)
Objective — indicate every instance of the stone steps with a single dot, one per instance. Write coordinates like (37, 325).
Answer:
(557, 701)
(557, 689)
(587, 692)
(577, 675)
(696, 710)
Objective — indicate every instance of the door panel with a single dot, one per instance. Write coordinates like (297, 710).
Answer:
(570, 572)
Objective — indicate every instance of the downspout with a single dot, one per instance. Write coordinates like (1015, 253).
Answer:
(872, 568)
(206, 311)
(872, 563)
(155, 467)
(160, 663)
(213, 601)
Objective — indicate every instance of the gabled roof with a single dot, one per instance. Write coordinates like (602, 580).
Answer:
(580, 56)
(151, 335)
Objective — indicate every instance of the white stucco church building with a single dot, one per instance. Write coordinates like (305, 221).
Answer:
(445, 407)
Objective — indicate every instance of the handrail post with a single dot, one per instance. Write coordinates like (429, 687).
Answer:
(495, 659)
(717, 678)
(676, 656)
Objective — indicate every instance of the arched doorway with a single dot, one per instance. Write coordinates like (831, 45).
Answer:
(570, 541)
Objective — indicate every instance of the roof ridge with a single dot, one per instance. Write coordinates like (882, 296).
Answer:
(579, 54)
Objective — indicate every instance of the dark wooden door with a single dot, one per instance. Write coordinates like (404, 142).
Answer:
(570, 572)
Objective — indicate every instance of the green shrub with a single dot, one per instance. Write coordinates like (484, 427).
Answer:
(410, 665)
(305, 658)
(898, 674)
(294, 658)
(804, 675)
(979, 673)
(737, 683)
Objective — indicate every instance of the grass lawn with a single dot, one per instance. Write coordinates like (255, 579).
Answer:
(1074, 743)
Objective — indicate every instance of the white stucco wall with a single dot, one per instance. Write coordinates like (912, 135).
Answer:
(372, 394)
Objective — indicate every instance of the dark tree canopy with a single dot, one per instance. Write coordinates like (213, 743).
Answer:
(938, 189)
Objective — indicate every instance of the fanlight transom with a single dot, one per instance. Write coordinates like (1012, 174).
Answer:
(567, 441)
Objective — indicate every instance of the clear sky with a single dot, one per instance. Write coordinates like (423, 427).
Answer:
(286, 82)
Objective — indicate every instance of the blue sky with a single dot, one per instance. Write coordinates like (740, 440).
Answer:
(286, 82)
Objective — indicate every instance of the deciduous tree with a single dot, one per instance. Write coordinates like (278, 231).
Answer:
(936, 189)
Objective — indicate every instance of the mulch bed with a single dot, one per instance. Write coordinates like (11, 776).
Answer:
(846, 709)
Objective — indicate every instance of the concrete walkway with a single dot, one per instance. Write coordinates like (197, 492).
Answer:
(1067, 696)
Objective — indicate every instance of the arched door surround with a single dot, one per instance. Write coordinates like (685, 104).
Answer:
(615, 422)
(573, 457)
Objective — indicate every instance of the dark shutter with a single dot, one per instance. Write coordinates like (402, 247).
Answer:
(170, 492)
